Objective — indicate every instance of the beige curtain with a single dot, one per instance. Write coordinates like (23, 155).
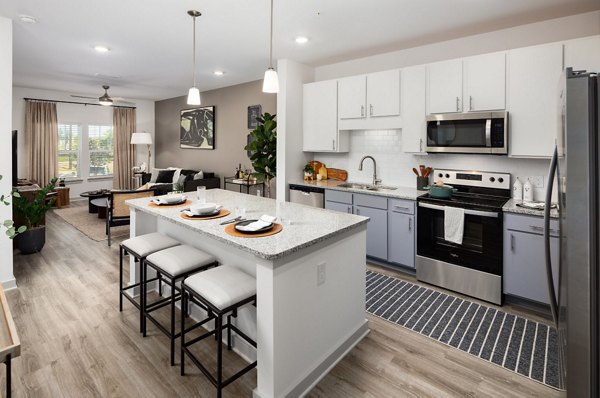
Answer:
(41, 131)
(123, 128)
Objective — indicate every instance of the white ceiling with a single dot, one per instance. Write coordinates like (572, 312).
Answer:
(151, 40)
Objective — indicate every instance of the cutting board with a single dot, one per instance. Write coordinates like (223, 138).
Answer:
(337, 174)
(316, 165)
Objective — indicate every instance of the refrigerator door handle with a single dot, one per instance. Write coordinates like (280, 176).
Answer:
(551, 292)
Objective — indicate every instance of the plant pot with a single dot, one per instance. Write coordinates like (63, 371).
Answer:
(32, 240)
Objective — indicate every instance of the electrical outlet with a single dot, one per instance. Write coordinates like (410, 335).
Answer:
(537, 181)
(321, 274)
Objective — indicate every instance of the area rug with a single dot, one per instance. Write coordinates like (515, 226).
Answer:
(523, 346)
(89, 224)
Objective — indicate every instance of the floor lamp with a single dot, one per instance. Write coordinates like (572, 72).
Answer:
(142, 139)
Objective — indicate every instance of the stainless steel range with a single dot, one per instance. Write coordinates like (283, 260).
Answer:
(474, 266)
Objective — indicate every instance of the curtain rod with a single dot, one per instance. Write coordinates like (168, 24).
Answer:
(78, 103)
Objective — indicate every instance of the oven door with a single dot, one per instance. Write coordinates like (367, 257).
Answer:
(477, 132)
(482, 239)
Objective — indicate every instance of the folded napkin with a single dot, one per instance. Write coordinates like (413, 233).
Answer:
(169, 199)
(454, 224)
(262, 222)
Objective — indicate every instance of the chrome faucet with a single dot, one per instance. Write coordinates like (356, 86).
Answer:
(360, 167)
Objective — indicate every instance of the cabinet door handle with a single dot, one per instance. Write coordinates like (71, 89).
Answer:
(410, 224)
(371, 109)
(362, 111)
(457, 104)
(512, 243)
(333, 144)
(470, 103)
(401, 208)
(421, 145)
(350, 209)
(358, 211)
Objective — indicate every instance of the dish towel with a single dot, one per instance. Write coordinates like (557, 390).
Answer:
(264, 221)
(454, 224)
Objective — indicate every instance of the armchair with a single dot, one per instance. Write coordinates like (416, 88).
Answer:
(117, 212)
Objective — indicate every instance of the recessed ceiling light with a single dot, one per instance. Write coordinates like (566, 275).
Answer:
(27, 19)
(102, 49)
(301, 40)
(218, 73)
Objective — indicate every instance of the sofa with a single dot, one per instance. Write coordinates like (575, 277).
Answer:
(162, 180)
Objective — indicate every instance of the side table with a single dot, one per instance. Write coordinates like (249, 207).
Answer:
(62, 198)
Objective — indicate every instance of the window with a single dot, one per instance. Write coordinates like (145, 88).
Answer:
(100, 145)
(68, 150)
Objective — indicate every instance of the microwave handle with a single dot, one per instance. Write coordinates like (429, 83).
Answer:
(479, 213)
(488, 133)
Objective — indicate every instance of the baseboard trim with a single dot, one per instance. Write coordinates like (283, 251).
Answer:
(9, 284)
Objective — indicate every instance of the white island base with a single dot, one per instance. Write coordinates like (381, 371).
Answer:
(310, 301)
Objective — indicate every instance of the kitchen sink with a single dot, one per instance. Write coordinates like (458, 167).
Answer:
(367, 187)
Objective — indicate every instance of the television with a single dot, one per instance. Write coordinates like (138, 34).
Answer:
(15, 173)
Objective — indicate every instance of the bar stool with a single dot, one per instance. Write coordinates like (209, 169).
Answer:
(223, 290)
(176, 263)
(140, 247)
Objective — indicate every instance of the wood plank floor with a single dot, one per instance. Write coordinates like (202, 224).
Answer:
(75, 342)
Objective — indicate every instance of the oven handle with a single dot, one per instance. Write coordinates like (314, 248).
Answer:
(480, 213)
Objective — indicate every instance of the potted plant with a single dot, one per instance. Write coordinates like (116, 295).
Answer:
(309, 172)
(32, 213)
(263, 150)
(11, 231)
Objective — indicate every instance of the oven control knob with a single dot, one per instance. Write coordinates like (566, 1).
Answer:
(500, 180)
(447, 175)
(440, 175)
(492, 179)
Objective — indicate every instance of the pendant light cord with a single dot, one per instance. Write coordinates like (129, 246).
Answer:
(271, 39)
(194, 51)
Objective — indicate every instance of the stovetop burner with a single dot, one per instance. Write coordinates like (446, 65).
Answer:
(468, 200)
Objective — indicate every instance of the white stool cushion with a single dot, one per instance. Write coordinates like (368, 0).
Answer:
(178, 260)
(145, 245)
(223, 286)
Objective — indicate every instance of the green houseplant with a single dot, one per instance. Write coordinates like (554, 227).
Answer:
(31, 213)
(263, 150)
(11, 230)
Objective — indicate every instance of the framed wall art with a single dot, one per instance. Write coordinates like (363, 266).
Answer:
(254, 113)
(197, 128)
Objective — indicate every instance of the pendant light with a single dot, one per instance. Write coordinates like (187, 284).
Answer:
(194, 94)
(271, 81)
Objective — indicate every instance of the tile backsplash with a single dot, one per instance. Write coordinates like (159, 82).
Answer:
(395, 167)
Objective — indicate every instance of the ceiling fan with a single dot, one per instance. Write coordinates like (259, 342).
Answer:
(105, 99)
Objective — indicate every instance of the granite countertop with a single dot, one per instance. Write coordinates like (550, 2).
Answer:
(511, 207)
(309, 225)
(399, 193)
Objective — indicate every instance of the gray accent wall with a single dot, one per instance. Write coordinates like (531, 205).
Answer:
(231, 108)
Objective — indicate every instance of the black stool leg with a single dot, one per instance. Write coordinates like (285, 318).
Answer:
(229, 332)
(120, 279)
(184, 303)
(218, 324)
(159, 275)
(172, 321)
(143, 298)
(8, 376)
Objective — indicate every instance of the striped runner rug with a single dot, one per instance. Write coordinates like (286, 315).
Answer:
(523, 346)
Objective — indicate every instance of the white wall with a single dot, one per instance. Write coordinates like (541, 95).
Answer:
(394, 166)
(290, 158)
(6, 265)
(580, 25)
(83, 115)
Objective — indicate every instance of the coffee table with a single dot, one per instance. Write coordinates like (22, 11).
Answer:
(91, 195)
(101, 204)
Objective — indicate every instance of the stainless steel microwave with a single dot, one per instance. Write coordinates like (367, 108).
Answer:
(473, 132)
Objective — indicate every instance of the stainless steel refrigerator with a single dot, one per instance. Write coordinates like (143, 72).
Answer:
(576, 304)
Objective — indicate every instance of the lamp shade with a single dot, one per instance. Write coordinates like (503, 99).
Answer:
(193, 96)
(271, 81)
(141, 138)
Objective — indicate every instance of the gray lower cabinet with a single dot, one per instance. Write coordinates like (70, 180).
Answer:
(401, 239)
(377, 245)
(524, 260)
(341, 207)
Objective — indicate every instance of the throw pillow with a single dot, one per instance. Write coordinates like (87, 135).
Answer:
(155, 174)
(143, 187)
(176, 174)
(182, 179)
(165, 177)
(199, 175)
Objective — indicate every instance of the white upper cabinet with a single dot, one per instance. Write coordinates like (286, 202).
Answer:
(352, 97)
(383, 93)
(533, 78)
(414, 125)
(444, 82)
(485, 82)
(320, 121)
(583, 54)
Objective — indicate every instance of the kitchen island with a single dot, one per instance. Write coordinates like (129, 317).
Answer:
(310, 281)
